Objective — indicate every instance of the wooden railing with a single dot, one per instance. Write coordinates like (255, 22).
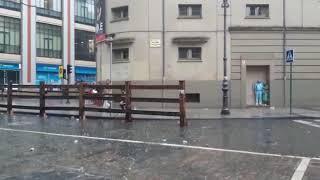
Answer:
(79, 92)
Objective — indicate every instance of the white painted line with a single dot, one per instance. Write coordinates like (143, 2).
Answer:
(301, 169)
(154, 143)
(317, 120)
(307, 123)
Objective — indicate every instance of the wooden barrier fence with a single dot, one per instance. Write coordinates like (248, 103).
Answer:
(79, 92)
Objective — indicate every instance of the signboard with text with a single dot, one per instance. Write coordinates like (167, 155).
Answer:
(155, 43)
(100, 21)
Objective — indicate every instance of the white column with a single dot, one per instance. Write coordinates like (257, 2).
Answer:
(68, 36)
(28, 36)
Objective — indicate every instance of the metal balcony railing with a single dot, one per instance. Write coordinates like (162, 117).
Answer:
(49, 13)
(10, 5)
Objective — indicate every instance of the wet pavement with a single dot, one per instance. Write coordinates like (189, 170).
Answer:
(191, 113)
(158, 150)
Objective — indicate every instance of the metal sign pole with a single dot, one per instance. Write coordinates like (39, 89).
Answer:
(110, 71)
(290, 59)
(291, 87)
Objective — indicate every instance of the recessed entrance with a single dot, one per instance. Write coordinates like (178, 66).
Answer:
(255, 73)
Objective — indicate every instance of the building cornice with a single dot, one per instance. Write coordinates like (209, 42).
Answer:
(190, 40)
(272, 28)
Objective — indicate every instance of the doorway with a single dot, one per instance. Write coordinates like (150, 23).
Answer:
(255, 73)
(7, 76)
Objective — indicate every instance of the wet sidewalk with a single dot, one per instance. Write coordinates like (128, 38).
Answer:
(254, 113)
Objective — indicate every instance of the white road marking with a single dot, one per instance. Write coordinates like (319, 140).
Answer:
(155, 143)
(301, 169)
(307, 123)
(317, 120)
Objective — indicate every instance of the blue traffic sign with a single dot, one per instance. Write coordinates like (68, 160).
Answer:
(290, 56)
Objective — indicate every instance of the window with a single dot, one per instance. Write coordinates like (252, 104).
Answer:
(9, 35)
(11, 4)
(121, 55)
(84, 45)
(120, 13)
(193, 97)
(190, 10)
(257, 11)
(85, 11)
(50, 8)
(190, 53)
(49, 42)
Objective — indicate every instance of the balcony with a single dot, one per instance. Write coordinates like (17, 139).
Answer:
(9, 49)
(84, 56)
(85, 20)
(49, 13)
(10, 5)
(49, 53)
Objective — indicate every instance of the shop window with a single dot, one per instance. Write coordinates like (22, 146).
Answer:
(7, 76)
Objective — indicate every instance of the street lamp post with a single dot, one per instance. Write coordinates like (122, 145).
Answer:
(225, 84)
(110, 41)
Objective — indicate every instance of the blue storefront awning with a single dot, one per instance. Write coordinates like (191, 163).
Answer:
(48, 68)
(86, 70)
(7, 66)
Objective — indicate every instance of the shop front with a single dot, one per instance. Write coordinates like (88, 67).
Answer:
(85, 74)
(48, 73)
(9, 72)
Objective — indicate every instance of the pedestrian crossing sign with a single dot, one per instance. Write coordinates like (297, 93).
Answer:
(290, 56)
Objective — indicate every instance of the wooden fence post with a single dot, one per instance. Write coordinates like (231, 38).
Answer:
(81, 101)
(128, 101)
(42, 102)
(182, 104)
(9, 98)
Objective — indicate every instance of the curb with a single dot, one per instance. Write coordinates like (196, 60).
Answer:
(302, 117)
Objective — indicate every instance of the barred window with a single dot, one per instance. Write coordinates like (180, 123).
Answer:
(190, 10)
(258, 10)
(190, 53)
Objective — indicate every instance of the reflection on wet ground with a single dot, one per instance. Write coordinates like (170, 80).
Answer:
(38, 156)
